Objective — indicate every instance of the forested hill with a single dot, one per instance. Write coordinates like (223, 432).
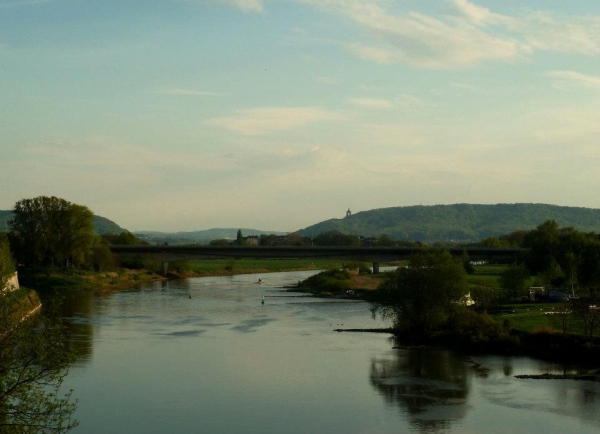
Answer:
(102, 225)
(460, 222)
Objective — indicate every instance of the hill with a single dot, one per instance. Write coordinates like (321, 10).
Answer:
(102, 225)
(460, 222)
(199, 237)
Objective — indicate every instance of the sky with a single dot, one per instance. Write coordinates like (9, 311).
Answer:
(182, 115)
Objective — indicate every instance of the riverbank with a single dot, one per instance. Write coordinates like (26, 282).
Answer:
(231, 267)
(86, 280)
(470, 332)
(124, 278)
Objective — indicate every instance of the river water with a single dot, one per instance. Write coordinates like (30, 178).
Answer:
(155, 360)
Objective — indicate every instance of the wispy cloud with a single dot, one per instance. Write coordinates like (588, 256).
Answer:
(479, 15)
(188, 92)
(106, 153)
(465, 34)
(328, 80)
(244, 5)
(372, 103)
(547, 31)
(258, 121)
(567, 79)
(403, 101)
(422, 40)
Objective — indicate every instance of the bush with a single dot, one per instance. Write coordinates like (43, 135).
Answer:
(180, 267)
(333, 281)
(475, 327)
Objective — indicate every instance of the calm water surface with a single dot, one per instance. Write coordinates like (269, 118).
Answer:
(156, 361)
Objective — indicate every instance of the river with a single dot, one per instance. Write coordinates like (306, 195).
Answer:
(154, 360)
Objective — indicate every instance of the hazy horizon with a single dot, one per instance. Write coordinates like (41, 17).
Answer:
(181, 115)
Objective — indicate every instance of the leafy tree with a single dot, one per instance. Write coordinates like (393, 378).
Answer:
(466, 261)
(33, 363)
(335, 238)
(545, 244)
(587, 317)
(514, 280)
(515, 239)
(494, 242)
(126, 238)
(563, 318)
(220, 242)
(484, 297)
(80, 234)
(385, 241)
(292, 239)
(51, 231)
(553, 276)
(102, 257)
(7, 265)
(421, 297)
(239, 239)
(588, 270)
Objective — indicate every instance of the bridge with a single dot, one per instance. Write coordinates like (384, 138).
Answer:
(375, 255)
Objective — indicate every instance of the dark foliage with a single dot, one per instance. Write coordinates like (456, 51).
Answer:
(461, 222)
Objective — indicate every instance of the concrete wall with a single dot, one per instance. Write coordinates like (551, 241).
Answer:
(12, 284)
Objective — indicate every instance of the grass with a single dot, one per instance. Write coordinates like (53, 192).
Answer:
(84, 279)
(524, 316)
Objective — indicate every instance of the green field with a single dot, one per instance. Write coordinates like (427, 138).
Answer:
(525, 316)
(522, 316)
(486, 275)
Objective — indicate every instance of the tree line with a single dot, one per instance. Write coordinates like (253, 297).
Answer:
(53, 232)
(423, 298)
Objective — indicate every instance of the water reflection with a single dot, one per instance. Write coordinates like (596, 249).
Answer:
(431, 387)
(221, 360)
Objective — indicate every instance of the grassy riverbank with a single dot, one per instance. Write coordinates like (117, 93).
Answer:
(122, 278)
(510, 328)
(228, 267)
(84, 279)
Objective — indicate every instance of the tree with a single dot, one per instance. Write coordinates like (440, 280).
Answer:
(126, 238)
(34, 360)
(545, 244)
(239, 240)
(102, 257)
(421, 297)
(7, 265)
(335, 238)
(51, 231)
(514, 280)
(385, 241)
(484, 297)
(466, 261)
(494, 242)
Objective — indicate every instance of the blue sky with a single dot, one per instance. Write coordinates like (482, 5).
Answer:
(276, 114)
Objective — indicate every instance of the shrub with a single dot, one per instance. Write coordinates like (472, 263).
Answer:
(476, 327)
(333, 281)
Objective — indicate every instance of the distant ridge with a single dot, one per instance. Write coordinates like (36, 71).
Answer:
(102, 225)
(459, 222)
(200, 237)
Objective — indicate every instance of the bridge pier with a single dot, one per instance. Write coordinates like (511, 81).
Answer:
(165, 267)
(375, 267)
